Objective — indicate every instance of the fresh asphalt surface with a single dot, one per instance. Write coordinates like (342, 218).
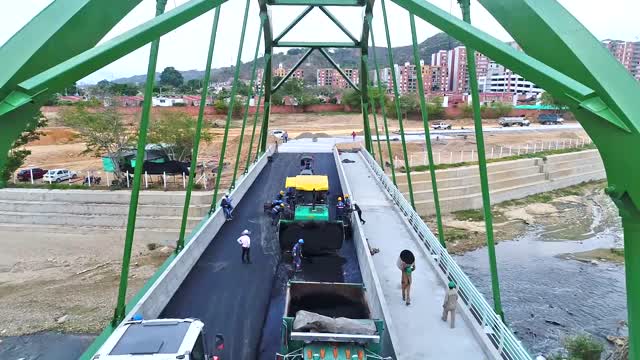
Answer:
(245, 302)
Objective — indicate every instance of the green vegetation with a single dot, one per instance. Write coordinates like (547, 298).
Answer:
(540, 154)
(469, 215)
(52, 186)
(102, 130)
(453, 234)
(18, 153)
(171, 77)
(580, 347)
(177, 130)
(575, 190)
(614, 255)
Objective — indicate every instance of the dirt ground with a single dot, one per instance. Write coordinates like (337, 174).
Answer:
(66, 282)
(69, 281)
(565, 212)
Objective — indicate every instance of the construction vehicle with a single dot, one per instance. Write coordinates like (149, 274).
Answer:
(159, 339)
(514, 121)
(330, 321)
(311, 220)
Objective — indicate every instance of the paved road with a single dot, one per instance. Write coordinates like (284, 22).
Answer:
(240, 300)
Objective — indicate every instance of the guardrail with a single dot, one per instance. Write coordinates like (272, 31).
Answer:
(502, 338)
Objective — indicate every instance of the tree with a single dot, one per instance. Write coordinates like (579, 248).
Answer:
(467, 110)
(295, 51)
(434, 108)
(501, 109)
(171, 76)
(102, 130)
(18, 153)
(123, 89)
(548, 99)
(194, 84)
(408, 103)
(352, 99)
(175, 131)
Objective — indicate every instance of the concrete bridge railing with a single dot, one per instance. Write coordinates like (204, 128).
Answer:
(498, 334)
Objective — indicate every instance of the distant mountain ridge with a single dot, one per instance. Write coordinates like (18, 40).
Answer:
(345, 57)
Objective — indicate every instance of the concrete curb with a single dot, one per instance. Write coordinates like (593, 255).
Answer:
(367, 268)
(478, 331)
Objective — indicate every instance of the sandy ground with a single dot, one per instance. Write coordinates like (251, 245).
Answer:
(565, 213)
(68, 281)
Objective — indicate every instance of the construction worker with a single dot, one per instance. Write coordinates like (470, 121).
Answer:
(280, 195)
(406, 282)
(340, 208)
(359, 211)
(296, 253)
(245, 243)
(289, 197)
(275, 213)
(347, 202)
(227, 206)
(353, 135)
(450, 303)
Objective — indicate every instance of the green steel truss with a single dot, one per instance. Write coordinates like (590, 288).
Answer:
(49, 53)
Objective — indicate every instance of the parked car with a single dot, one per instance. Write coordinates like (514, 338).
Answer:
(514, 121)
(25, 174)
(441, 126)
(277, 133)
(58, 175)
(550, 119)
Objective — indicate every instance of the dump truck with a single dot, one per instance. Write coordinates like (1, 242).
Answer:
(311, 220)
(159, 339)
(330, 321)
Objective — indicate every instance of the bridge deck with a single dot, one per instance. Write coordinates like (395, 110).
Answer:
(420, 334)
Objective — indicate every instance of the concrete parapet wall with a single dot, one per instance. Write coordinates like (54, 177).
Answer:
(529, 177)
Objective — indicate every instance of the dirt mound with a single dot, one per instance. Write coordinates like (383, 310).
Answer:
(56, 136)
(308, 135)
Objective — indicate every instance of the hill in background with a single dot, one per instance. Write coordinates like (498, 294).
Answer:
(347, 58)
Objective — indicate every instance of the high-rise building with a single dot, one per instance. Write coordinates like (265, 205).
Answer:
(627, 53)
(498, 79)
(458, 71)
(332, 78)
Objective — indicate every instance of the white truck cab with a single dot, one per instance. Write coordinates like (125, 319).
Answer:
(160, 339)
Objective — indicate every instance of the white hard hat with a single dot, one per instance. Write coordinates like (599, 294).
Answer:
(246, 232)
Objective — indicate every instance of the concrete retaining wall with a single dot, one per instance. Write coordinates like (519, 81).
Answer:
(459, 188)
(158, 295)
(374, 294)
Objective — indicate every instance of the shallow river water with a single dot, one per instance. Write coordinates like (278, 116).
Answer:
(546, 297)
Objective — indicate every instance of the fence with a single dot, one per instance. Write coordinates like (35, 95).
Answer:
(492, 152)
(501, 337)
(99, 178)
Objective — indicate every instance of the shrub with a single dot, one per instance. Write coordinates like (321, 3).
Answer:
(583, 347)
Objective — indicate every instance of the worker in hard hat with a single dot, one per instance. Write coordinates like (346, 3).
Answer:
(347, 202)
(450, 303)
(276, 212)
(245, 242)
(340, 206)
(280, 195)
(296, 253)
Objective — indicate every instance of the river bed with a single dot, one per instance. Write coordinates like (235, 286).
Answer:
(545, 295)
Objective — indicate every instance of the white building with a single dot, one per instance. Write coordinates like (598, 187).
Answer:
(502, 80)
(166, 101)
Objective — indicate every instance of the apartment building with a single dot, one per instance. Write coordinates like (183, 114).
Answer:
(627, 53)
(331, 77)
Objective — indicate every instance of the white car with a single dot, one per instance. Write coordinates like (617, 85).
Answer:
(441, 126)
(277, 133)
(59, 175)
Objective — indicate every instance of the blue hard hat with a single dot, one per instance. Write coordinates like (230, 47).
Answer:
(137, 317)
(301, 241)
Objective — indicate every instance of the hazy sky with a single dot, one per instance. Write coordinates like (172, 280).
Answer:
(186, 47)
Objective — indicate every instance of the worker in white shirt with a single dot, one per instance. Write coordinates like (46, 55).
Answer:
(245, 242)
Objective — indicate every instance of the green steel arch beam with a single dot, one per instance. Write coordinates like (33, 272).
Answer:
(52, 36)
(24, 100)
